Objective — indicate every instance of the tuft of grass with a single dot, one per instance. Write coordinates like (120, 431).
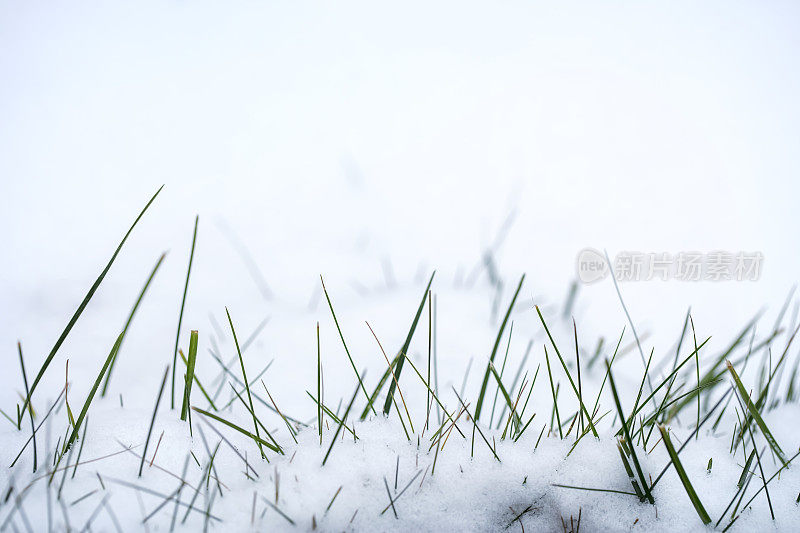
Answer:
(82, 306)
(479, 405)
(190, 363)
(687, 485)
(180, 315)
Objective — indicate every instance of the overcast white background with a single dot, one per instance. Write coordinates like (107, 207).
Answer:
(331, 137)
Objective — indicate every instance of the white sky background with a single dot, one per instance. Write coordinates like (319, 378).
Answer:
(332, 136)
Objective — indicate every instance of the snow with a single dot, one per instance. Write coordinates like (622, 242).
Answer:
(372, 145)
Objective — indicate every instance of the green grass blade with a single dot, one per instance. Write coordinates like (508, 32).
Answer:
(506, 397)
(199, 384)
(319, 387)
(347, 351)
(479, 405)
(153, 420)
(387, 406)
(74, 435)
(342, 421)
(246, 383)
(180, 315)
(259, 440)
(30, 409)
(571, 381)
(187, 386)
(687, 485)
(83, 305)
(627, 433)
(130, 319)
(756, 415)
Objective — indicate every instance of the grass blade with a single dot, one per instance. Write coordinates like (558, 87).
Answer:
(627, 433)
(30, 408)
(342, 421)
(259, 440)
(698, 505)
(246, 383)
(404, 350)
(753, 410)
(347, 351)
(187, 387)
(130, 319)
(83, 305)
(479, 405)
(153, 420)
(180, 315)
(74, 435)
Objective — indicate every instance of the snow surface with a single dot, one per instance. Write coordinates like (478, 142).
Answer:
(372, 145)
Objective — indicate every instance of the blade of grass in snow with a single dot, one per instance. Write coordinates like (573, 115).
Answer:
(82, 306)
(507, 398)
(630, 321)
(259, 440)
(244, 378)
(394, 376)
(30, 408)
(330, 413)
(475, 426)
(433, 394)
(180, 315)
(621, 415)
(341, 423)
(347, 351)
(187, 386)
(199, 384)
(629, 471)
(758, 460)
(756, 415)
(502, 371)
(689, 439)
(153, 419)
(292, 431)
(569, 376)
(130, 319)
(687, 485)
(88, 402)
(258, 422)
(479, 405)
(555, 397)
(404, 350)
(319, 387)
(697, 367)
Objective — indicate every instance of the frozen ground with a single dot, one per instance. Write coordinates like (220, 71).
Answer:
(373, 145)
